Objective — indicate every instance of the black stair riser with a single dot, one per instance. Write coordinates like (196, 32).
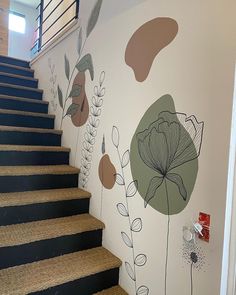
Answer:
(37, 182)
(26, 121)
(19, 158)
(19, 105)
(42, 211)
(18, 81)
(16, 71)
(85, 286)
(45, 249)
(26, 93)
(30, 138)
(15, 62)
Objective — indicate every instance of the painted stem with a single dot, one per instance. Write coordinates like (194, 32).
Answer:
(167, 237)
(69, 82)
(130, 224)
(191, 277)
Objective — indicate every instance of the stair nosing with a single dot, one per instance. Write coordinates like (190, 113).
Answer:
(15, 58)
(23, 113)
(30, 130)
(21, 87)
(33, 148)
(42, 196)
(16, 67)
(34, 231)
(33, 170)
(31, 100)
(48, 273)
(18, 77)
(112, 291)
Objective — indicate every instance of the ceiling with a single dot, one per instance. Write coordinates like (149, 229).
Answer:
(32, 3)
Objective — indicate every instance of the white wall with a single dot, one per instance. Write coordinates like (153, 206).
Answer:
(20, 44)
(197, 69)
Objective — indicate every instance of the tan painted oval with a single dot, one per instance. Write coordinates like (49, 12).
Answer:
(147, 42)
(107, 171)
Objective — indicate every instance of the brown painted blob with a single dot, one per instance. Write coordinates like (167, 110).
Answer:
(107, 171)
(147, 42)
(81, 117)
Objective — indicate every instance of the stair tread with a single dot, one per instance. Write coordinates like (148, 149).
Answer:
(18, 76)
(117, 290)
(17, 67)
(37, 170)
(23, 113)
(41, 275)
(32, 148)
(42, 196)
(17, 98)
(28, 129)
(24, 233)
(20, 87)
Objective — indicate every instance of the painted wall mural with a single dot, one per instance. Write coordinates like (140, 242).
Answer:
(135, 224)
(164, 159)
(53, 84)
(147, 42)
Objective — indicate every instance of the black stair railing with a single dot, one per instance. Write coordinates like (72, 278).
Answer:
(49, 12)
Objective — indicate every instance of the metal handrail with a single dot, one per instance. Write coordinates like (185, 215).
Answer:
(42, 20)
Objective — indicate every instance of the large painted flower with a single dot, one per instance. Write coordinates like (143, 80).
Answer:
(169, 142)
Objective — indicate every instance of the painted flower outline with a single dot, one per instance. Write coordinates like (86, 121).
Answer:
(169, 142)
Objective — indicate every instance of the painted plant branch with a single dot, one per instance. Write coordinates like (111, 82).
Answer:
(91, 130)
(135, 225)
(53, 82)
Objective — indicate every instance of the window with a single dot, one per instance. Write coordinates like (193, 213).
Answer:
(17, 22)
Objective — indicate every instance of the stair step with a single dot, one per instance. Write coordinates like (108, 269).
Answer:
(30, 178)
(29, 136)
(117, 290)
(17, 70)
(13, 79)
(38, 240)
(29, 206)
(23, 104)
(26, 119)
(88, 271)
(14, 61)
(12, 155)
(21, 91)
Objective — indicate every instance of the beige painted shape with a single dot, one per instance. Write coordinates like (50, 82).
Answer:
(147, 42)
(106, 172)
(4, 6)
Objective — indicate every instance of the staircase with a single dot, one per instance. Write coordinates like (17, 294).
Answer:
(49, 243)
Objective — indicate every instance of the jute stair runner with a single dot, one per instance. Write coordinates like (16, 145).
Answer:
(3, 96)
(41, 275)
(22, 113)
(28, 129)
(33, 148)
(41, 196)
(113, 291)
(18, 234)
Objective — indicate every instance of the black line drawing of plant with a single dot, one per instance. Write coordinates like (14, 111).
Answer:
(195, 257)
(91, 130)
(169, 142)
(53, 82)
(136, 224)
(82, 64)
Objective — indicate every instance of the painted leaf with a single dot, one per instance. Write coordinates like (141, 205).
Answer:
(132, 188)
(86, 63)
(75, 91)
(115, 136)
(122, 210)
(154, 184)
(125, 159)
(94, 17)
(177, 179)
(67, 67)
(79, 45)
(102, 78)
(103, 145)
(137, 225)
(127, 240)
(140, 260)
(102, 92)
(73, 109)
(142, 290)
(119, 179)
(130, 271)
(60, 96)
